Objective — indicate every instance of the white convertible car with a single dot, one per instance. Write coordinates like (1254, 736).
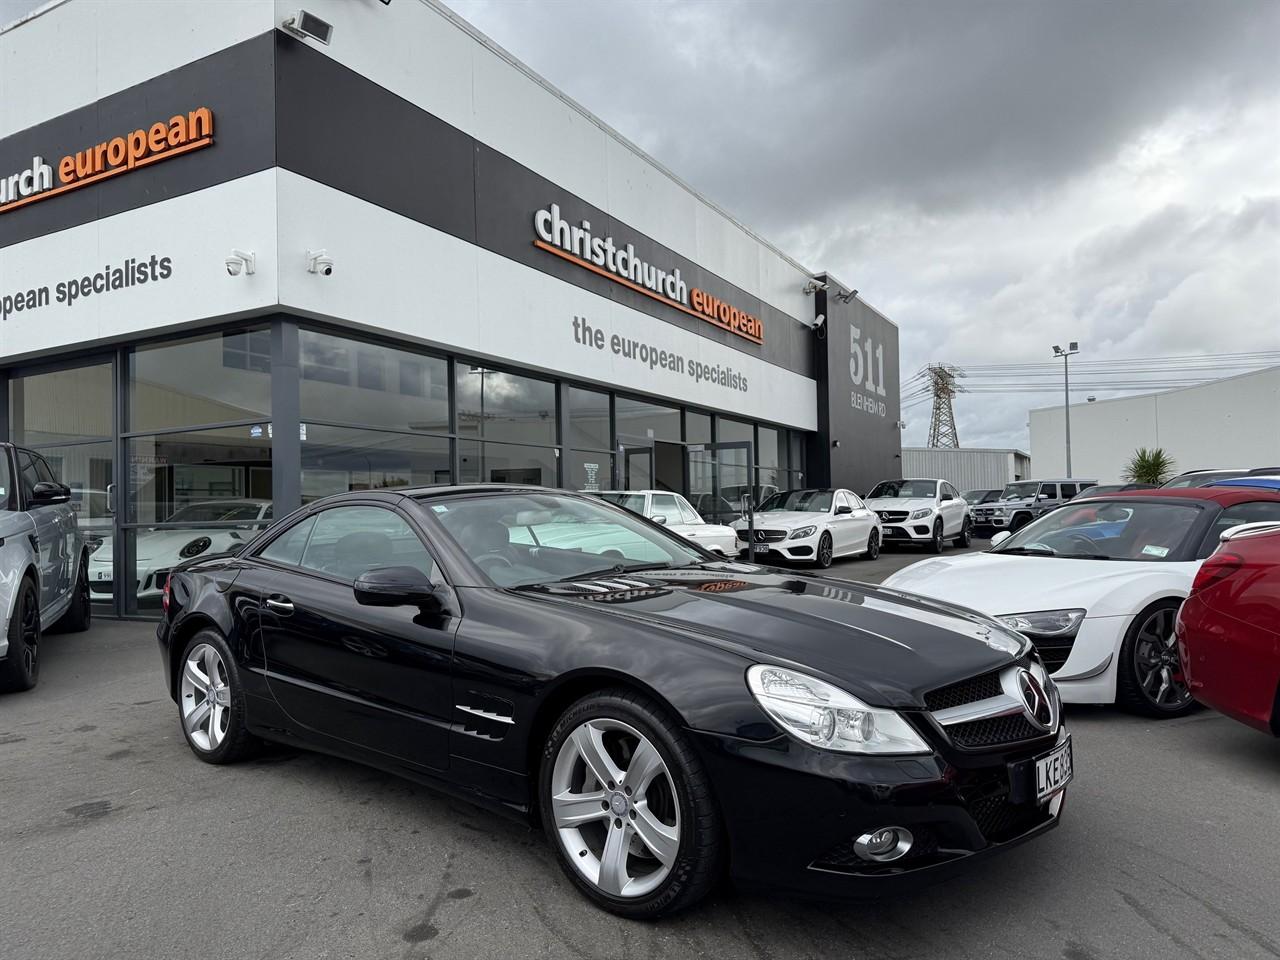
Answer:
(160, 549)
(674, 512)
(814, 526)
(1096, 585)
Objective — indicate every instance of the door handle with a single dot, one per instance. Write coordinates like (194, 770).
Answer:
(279, 604)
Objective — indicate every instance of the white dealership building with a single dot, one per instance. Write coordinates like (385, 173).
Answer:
(250, 256)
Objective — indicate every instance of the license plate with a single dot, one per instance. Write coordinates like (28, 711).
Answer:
(757, 549)
(1053, 772)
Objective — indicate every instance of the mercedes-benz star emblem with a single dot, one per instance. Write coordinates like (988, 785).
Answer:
(760, 536)
(1035, 700)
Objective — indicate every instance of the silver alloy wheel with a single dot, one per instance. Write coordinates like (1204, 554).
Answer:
(825, 550)
(1156, 663)
(206, 697)
(615, 807)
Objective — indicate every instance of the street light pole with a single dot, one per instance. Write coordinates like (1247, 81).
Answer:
(1072, 348)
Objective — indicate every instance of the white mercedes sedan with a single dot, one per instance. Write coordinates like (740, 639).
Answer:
(813, 526)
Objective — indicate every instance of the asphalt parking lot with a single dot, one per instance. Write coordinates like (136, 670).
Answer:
(116, 842)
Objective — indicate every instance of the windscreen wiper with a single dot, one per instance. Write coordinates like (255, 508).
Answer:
(1030, 551)
(614, 570)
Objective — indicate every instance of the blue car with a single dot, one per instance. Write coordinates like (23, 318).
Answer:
(1262, 483)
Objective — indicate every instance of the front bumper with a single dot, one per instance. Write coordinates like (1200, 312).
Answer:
(792, 813)
(805, 549)
(908, 530)
(986, 518)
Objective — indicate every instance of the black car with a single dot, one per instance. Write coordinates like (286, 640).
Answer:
(666, 715)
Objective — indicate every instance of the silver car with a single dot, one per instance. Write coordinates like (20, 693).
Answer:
(43, 563)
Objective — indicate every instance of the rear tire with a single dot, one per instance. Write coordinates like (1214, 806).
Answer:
(679, 803)
(20, 669)
(211, 701)
(966, 534)
(1149, 680)
(80, 614)
(1019, 521)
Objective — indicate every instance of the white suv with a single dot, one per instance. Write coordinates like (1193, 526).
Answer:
(43, 563)
(928, 512)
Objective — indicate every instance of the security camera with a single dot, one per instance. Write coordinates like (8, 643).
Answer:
(319, 262)
(241, 260)
(305, 24)
(813, 286)
(847, 296)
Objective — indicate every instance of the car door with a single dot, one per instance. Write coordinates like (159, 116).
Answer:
(841, 524)
(864, 521)
(378, 677)
(49, 533)
(953, 509)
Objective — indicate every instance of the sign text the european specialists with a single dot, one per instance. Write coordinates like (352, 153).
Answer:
(118, 276)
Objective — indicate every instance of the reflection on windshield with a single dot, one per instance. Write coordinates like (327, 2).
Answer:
(215, 511)
(797, 501)
(525, 539)
(905, 489)
(1020, 491)
(1108, 530)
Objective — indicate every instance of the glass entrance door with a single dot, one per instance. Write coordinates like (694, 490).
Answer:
(719, 477)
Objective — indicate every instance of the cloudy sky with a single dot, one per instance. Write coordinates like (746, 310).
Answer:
(996, 177)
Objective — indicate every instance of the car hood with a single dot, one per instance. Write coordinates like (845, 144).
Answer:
(782, 520)
(1010, 503)
(999, 584)
(886, 648)
(165, 544)
(901, 503)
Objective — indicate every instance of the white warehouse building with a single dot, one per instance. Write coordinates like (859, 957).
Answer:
(1234, 422)
(967, 468)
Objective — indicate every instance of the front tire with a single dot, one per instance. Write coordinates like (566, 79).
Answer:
(628, 808)
(937, 543)
(1150, 681)
(79, 615)
(966, 534)
(20, 669)
(211, 701)
(825, 552)
(873, 545)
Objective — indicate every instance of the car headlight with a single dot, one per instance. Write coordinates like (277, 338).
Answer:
(196, 547)
(824, 716)
(1045, 624)
(803, 532)
(921, 514)
(1001, 511)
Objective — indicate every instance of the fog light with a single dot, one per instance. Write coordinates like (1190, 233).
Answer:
(884, 845)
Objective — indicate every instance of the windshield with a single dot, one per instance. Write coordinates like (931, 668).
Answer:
(905, 489)
(628, 501)
(1109, 529)
(1020, 491)
(1202, 479)
(797, 501)
(980, 496)
(213, 511)
(521, 539)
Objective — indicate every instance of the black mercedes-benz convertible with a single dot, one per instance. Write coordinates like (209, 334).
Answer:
(666, 715)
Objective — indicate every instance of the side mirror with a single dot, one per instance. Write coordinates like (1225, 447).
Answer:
(45, 493)
(395, 587)
(843, 508)
(659, 519)
(1000, 538)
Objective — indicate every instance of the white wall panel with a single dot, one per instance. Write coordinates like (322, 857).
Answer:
(1233, 422)
(83, 51)
(397, 275)
(197, 231)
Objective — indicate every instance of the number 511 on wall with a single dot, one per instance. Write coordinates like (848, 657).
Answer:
(861, 372)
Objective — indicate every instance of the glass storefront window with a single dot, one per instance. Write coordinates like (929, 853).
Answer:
(589, 470)
(767, 448)
(637, 419)
(212, 378)
(61, 407)
(489, 462)
(493, 405)
(350, 381)
(151, 552)
(173, 471)
(339, 459)
(588, 419)
(730, 430)
(697, 427)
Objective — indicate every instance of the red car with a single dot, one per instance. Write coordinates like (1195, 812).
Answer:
(1228, 629)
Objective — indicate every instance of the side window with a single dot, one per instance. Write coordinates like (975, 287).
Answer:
(43, 470)
(687, 513)
(1068, 491)
(1257, 511)
(842, 501)
(1049, 490)
(287, 548)
(664, 505)
(855, 501)
(949, 492)
(347, 541)
(29, 476)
